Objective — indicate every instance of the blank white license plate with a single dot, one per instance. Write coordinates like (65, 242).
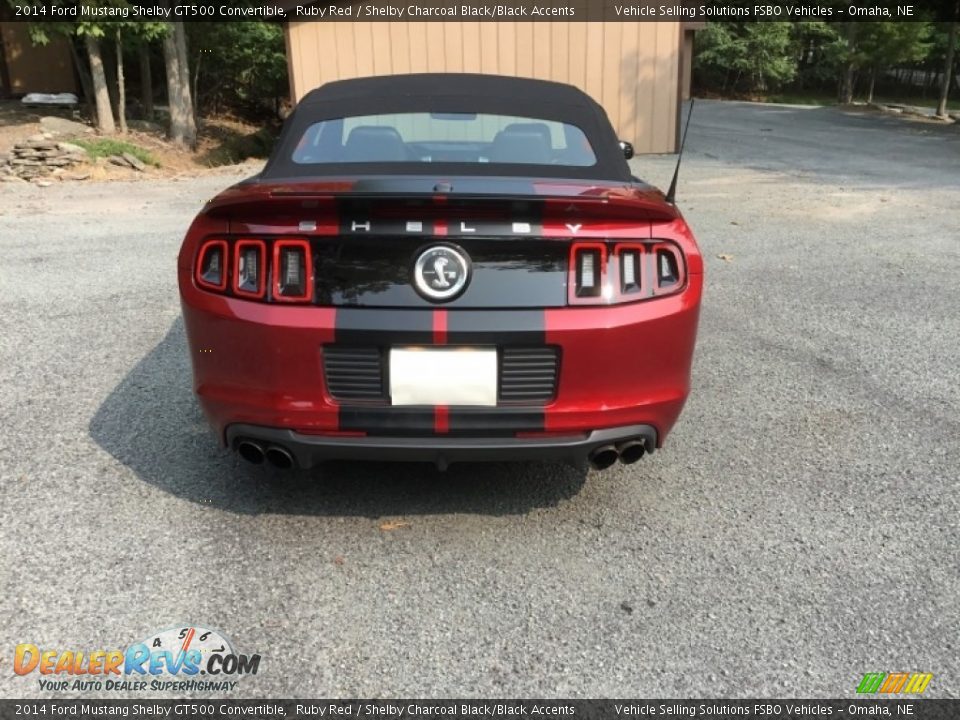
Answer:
(448, 376)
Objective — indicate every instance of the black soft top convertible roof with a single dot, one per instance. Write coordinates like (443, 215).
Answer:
(451, 93)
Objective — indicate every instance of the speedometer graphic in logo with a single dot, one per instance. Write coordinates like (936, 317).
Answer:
(187, 650)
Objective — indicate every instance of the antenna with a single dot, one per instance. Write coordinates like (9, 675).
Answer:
(672, 192)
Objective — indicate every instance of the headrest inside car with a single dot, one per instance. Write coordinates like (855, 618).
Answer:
(372, 143)
(511, 146)
(531, 127)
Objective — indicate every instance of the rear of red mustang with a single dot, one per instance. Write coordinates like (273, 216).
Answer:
(442, 268)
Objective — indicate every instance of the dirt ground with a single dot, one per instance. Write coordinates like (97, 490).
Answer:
(222, 141)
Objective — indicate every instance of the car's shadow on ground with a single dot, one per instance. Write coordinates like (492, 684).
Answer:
(151, 423)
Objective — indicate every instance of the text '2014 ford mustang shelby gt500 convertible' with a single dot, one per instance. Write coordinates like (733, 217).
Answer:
(442, 267)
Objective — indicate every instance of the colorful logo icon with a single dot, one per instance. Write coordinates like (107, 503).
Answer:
(894, 683)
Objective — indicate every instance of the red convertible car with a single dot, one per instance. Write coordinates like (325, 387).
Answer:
(443, 268)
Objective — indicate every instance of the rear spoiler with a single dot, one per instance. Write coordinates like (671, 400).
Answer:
(621, 202)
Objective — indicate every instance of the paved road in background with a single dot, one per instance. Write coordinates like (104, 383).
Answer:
(799, 529)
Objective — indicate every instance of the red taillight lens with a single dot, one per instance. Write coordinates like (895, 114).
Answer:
(587, 273)
(669, 271)
(633, 271)
(292, 271)
(211, 266)
(249, 268)
(630, 261)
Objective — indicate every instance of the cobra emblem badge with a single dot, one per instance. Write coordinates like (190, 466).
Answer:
(441, 272)
(438, 265)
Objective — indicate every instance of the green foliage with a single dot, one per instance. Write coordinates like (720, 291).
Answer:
(820, 51)
(885, 44)
(755, 56)
(807, 57)
(242, 65)
(105, 147)
(41, 31)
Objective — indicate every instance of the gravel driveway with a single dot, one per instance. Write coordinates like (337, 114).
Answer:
(800, 528)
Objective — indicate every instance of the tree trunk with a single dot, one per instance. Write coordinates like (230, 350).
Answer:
(196, 84)
(86, 83)
(146, 82)
(846, 88)
(873, 81)
(183, 128)
(181, 38)
(101, 93)
(948, 67)
(121, 87)
(110, 71)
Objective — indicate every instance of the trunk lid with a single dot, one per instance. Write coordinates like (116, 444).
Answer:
(367, 233)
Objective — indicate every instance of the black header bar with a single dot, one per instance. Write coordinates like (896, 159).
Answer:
(695, 11)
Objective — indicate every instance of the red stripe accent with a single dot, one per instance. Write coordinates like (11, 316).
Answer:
(439, 327)
(441, 419)
(441, 413)
(187, 640)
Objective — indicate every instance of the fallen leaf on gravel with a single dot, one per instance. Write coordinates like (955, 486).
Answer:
(725, 257)
(388, 525)
(338, 560)
(734, 222)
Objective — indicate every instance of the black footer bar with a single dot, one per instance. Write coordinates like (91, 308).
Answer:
(399, 709)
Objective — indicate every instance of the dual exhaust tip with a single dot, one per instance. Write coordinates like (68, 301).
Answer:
(257, 453)
(627, 452)
(601, 458)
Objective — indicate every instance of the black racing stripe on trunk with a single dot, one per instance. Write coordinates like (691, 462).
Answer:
(393, 421)
(488, 422)
(383, 327)
(496, 327)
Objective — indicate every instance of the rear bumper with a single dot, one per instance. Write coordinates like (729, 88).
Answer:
(308, 450)
(262, 365)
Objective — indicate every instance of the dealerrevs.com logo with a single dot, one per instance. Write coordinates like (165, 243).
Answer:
(180, 659)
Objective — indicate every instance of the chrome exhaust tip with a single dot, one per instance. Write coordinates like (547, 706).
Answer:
(603, 457)
(631, 451)
(279, 457)
(251, 451)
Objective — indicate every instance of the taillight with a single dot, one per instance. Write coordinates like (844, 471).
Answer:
(588, 272)
(632, 271)
(249, 268)
(211, 267)
(630, 261)
(278, 270)
(669, 269)
(292, 271)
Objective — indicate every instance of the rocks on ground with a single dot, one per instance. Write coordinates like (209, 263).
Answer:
(62, 126)
(127, 160)
(40, 156)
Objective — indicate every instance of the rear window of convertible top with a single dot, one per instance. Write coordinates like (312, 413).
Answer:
(419, 137)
